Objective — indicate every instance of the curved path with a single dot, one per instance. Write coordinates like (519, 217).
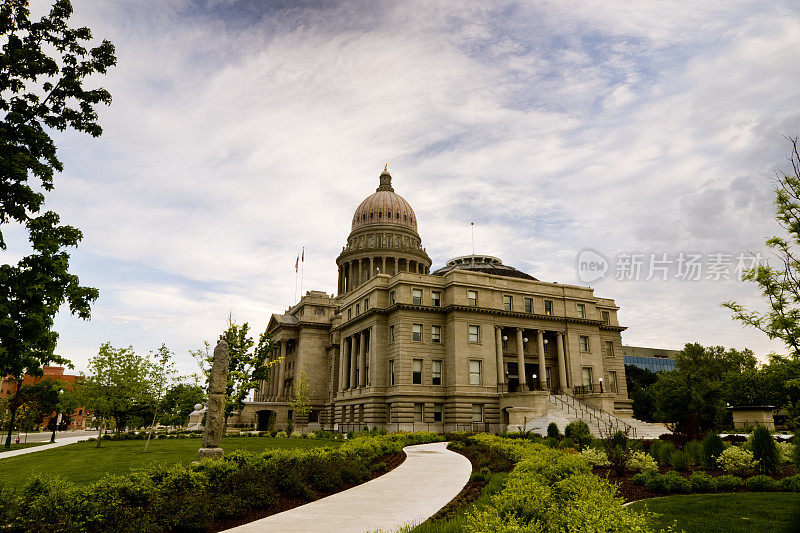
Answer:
(60, 441)
(427, 480)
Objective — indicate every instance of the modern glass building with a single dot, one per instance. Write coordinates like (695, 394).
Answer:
(656, 364)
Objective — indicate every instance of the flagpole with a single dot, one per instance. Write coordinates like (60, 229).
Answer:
(295, 278)
(302, 269)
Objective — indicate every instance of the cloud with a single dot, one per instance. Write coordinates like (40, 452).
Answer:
(239, 133)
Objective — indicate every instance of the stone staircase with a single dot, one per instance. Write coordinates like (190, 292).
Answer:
(563, 409)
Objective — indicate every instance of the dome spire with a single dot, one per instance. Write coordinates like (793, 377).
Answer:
(385, 180)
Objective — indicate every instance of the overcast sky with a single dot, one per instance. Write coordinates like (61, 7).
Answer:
(243, 130)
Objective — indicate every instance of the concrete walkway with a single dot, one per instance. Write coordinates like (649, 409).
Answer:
(60, 441)
(427, 480)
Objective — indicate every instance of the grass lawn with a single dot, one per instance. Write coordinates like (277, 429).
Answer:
(83, 462)
(15, 446)
(773, 512)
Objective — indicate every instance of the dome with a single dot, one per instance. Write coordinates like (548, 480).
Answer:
(486, 264)
(383, 207)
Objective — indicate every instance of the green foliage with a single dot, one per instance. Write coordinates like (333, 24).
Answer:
(639, 381)
(790, 483)
(194, 497)
(712, 449)
(566, 442)
(301, 398)
(595, 457)
(701, 482)
(761, 483)
(737, 460)
(695, 450)
(680, 460)
(765, 451)
(727, 483)
(662, 450)
(642, 462)
(553, 431)
(670, 482)
(579, 432)
(179, 402)
(550, 491)
(43, 66)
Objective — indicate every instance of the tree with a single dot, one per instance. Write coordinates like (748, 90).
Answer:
(301, 398)
(780, 286)
(43, 396)
(179, 402)
(43, 66)
(639, 381)
(120, 380)
(160, 379)
(248, 363)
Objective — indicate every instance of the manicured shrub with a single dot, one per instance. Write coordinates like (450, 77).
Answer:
(668, 483)
(281, 435)
(550, 442)
(552, 430)
(662, 451)
(579, 432)
(712, 449)
(642, 477)
(761, 483)
(728, 483)
(701, 482)
(566, 442)
(695, 450)
(790, 483)
(736, 460)
(642, 462)
(796, 440)
(786, 451)
(595, 457)
(765, 451)
(680, 460)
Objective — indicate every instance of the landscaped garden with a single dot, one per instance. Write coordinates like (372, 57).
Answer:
(84, 462)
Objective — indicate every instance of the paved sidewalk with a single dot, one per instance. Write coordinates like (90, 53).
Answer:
(427, 480)
(60, 441)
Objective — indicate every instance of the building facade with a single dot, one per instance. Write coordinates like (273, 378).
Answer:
(80, 419)
(473, 345)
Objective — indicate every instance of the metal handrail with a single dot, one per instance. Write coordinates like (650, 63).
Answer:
(593, 413)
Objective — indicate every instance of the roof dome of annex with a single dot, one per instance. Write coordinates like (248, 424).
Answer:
(385, 207)
(486, 264)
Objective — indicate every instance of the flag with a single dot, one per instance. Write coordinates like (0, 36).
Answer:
(303, 256)
(297, 263)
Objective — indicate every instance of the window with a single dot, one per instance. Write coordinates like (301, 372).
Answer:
(612, 381)
(507, 302)
(475, 372)
(349, 313)
(391, 371)
(416, 374)
(366, 303)
(416, 332)
(609, 349)
(529, 305)
(581, 310)
(586, 376)
(548, 307)
(605, 317)
(391, 297)
(436, 298)
(391, 333)
(584, 343)
(474, 334)
(437, 412)
(472, 298)
(436, 333)
(417, 412)
(436, 373)
(416, 296)
(357, 310)
(477, 413)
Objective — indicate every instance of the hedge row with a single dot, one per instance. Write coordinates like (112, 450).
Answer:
(672, 482)
(549, 491)
(194, 497)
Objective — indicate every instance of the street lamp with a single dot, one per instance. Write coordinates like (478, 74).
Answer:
(544, 341)
(601, 385)
(533, 376)
(505, 337)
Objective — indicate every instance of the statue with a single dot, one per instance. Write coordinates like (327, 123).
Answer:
(215, 408)
(196, 418)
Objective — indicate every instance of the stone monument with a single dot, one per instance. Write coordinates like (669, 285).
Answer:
(215, 408)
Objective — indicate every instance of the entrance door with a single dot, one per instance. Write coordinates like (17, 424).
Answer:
(531, 369)
(266, 420)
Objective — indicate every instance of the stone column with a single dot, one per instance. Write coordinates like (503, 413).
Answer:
(501, 375)
(353, 363)
(372, 352)
(371, 268)
(344, 353)
(215, 411)
(562, 365)
(542, 369)
(523, 386)
(341, 278)
(271, 380)
(281, 370)
(362, 359)
(383, 265)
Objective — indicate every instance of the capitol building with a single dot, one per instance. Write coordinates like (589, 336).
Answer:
(475, 344)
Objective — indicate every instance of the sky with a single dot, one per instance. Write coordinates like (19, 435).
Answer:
(241, 131)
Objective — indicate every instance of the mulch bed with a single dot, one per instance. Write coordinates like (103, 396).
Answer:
(284, 503)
